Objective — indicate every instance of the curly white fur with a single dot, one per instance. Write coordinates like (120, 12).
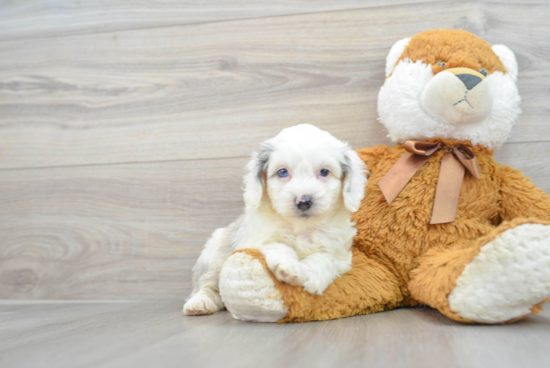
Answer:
(303, 245)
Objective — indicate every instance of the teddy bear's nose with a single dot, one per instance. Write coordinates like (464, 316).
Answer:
(469, 80)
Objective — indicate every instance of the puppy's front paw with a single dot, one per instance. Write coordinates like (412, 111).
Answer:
(199, 305)
(315, 285)
(289, 272)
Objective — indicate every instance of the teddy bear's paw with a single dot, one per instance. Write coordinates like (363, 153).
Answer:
(200, 304)
(248, 291)
(508, 278)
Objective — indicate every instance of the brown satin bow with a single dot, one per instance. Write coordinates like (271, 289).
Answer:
(453, 165)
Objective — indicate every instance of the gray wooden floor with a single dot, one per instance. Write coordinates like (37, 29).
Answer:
(154, 334)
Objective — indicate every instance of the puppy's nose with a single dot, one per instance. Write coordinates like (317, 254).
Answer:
(470, 81)
(304, 203)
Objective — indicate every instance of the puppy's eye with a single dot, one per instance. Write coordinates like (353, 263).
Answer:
(282, 173)
(441, 64)
(483, 71)
(324, 172)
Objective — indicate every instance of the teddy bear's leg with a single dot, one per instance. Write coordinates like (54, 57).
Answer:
(251, 292)
(501, 277)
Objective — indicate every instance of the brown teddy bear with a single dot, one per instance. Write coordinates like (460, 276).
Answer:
(442, 224)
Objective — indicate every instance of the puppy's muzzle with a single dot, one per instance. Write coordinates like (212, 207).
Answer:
(304, 203)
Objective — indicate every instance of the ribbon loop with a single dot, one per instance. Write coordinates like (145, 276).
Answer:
(451, 174)
(468, 159)
(422, 148)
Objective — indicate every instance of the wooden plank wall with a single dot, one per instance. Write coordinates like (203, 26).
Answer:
(124, 126)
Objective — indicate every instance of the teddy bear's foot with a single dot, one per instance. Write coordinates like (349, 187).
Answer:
(508, 279)
(248, 291)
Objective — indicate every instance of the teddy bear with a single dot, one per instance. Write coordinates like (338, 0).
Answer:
(441, 223)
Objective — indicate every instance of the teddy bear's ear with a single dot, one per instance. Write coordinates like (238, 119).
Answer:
(395, 52)
(508, 59)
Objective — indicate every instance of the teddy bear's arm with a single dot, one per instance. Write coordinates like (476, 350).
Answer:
(371, 156)
(520, 197)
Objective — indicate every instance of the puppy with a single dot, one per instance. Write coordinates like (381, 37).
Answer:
(300, 191)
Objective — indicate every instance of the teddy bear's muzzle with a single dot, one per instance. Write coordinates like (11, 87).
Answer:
(458, 96)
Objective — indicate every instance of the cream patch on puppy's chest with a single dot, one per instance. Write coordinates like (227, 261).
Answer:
(306, 243)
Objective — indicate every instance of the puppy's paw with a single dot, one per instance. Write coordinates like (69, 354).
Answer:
(283, 262)
(315, 285)
(289, 271)
(199, 305)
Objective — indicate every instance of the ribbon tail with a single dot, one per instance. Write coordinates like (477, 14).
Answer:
(469, 160)
(447, 191)
(399, 175)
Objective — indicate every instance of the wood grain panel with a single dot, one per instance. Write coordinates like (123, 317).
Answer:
(521, 27)
(133, 231)
(113, 231)
(53, 18)
(215, 90)
(531, 158)
(155, 334)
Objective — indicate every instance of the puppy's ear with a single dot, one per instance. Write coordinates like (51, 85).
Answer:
(254, 177)
(355, 180)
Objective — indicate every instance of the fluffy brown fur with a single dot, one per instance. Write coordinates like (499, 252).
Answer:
(399, 259)
(402, 260)
(455, 48)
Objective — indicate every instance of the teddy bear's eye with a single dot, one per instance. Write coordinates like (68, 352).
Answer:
(441, 64)
(483, 71)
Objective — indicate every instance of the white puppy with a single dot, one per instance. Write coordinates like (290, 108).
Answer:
(300, 191)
